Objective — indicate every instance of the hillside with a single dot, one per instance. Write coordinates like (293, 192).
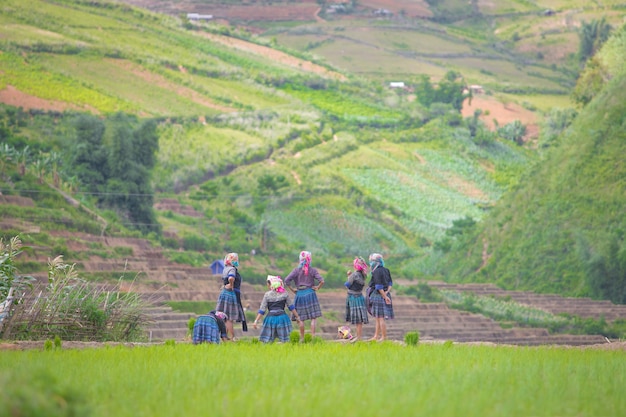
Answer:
(293, 139)
(339, 165)
(521, 51)
(563, 226)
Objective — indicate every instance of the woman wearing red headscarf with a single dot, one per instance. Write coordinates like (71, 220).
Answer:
(356, 311)
(304, 278)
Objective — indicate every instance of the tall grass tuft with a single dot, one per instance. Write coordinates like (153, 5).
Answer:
(69, 308)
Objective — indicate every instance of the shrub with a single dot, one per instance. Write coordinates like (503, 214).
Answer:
(190, 324)
(412, 338)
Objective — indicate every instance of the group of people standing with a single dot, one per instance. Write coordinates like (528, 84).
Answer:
(303, 282)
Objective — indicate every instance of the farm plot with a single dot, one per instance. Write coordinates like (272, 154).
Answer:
(428, 208)
(152, 92)
(30, 78)
(406, 40)
(195, 150)
(323, 228)
(274, 55)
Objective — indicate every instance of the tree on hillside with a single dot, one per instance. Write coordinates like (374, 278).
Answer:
(590, 82)
(556, 121)
(115, 163)
(514, 131)
(131, 156)
(606, 270)
(88, 156)
(447, 91)
(592, 36)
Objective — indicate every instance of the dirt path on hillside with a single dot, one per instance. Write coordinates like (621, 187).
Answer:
(274, 55)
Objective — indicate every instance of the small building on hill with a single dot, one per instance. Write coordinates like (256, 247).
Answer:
(217, 267)
(198, 16)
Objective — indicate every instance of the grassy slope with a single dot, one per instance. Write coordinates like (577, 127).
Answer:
(567, 209)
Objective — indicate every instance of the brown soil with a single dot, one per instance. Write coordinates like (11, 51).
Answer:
(504, 113)
(14, 97)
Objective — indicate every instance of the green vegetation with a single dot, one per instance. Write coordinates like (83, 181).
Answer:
(197, 307)
(562, 229)
(439, 380)
(268, 156)
(507, 312)
(67, 308)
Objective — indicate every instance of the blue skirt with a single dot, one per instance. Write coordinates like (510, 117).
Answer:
(356, 312)
(307, 305)
(379, 307)
(275, 327)
(227, 303)
(206, 330)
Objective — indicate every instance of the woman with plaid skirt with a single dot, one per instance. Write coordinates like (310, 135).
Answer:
(210, 328)
(379, 299)
(304, 278)
(356, 311)
(277, 323)
(229, 301)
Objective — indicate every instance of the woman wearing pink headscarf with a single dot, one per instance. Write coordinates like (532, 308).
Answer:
(277, 324)
(210, 328)
(304, 278)
(356, 311)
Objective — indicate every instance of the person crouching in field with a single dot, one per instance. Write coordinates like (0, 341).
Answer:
(277, 323)
(304, 277)
(210, 328)
(378, 293)
(229, 300)
(356, 311)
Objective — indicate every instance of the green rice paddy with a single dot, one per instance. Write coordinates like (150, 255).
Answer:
(327, 379)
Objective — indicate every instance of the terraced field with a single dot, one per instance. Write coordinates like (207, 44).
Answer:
(147, 271)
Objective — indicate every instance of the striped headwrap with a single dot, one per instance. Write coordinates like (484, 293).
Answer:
(305, 261)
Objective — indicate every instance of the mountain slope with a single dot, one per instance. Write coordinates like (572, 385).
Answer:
(563, 228)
